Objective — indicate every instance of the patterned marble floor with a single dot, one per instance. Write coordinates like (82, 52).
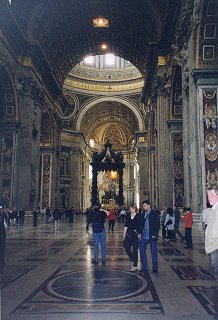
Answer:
(48, 275)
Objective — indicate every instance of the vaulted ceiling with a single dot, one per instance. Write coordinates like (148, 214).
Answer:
(110, 121)
(63, 29)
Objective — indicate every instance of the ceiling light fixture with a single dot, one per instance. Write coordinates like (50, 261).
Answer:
(100, 22)
(103, 46)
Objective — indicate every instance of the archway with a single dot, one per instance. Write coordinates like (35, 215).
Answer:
(107, 160)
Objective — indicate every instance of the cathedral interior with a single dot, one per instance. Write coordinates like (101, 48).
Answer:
(106, 102)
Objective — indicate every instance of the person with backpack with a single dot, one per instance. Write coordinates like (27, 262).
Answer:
(170, 225)
(97, 218)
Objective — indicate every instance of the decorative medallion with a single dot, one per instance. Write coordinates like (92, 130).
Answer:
(211, 147)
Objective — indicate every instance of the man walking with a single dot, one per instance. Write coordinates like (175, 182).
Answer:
(211, 233)
(148, 234)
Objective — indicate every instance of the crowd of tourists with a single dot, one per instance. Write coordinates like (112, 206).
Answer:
(141, 228)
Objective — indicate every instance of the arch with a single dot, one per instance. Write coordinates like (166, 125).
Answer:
(124, 101)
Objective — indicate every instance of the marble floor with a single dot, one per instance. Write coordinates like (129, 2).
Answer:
(48, 275)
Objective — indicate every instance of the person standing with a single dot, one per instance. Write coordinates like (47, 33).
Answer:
(162, 221)
(211, 233)
(205, 217)
(170, 225)
(148, 234)
(21, 216)
(47, 215)
(35, 217)
(177, 215)
(97, 218)
(130, 236)
(188, 228)
(3, 224)
(112, 219)
(88, 213)
(57, 217)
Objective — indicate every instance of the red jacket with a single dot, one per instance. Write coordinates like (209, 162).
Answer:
(188, 220)
(112, 215)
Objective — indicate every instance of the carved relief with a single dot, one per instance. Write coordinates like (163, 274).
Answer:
(211, 147)
(178, 169)
(7, 165)
(46, 163)
(210, 136)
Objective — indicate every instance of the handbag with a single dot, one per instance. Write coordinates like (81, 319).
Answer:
(169, 222)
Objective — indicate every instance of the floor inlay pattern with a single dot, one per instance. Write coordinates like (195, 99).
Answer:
(170, 252)
(13, 273)
(207, 297)
(192, 273)
(95, 290)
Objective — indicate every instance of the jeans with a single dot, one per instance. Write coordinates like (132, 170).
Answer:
(143, 255)
(99, 238)
(214, 262)
(188, 237)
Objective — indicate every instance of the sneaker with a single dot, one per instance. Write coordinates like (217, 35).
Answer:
(133, 269)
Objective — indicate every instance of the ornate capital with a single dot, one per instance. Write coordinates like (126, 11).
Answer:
(27, 86)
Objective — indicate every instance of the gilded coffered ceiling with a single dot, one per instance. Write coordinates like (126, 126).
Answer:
(62, 32)
(110, 121)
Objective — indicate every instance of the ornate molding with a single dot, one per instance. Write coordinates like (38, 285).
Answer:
(184, 24)
(175, 125)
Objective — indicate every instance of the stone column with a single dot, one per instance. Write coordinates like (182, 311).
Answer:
(163, 152)
(75, 177)
(143, 162)
(204, 156)
(28, 144)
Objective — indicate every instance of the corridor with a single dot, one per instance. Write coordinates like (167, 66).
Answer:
(49, 275)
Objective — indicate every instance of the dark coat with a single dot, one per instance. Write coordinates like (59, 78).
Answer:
(154, 223)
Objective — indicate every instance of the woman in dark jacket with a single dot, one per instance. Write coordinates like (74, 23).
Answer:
(130, 236)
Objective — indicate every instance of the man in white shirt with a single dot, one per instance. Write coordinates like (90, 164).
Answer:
(205, 216)
(211, 234)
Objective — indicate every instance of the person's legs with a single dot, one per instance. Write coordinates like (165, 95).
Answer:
(188, 237)
(135, 251)
(214, 262)
(2, 246)
(127, 246)
(163, 232)
(178, 233)
(102, 238)
(109, 227)
(96, 245)
(153, 246)
(143, 255)
(112, 224)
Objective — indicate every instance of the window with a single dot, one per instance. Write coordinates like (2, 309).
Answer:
(109, 59)
(89, 60)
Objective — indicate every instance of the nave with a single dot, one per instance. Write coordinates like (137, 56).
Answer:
(48, 274)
